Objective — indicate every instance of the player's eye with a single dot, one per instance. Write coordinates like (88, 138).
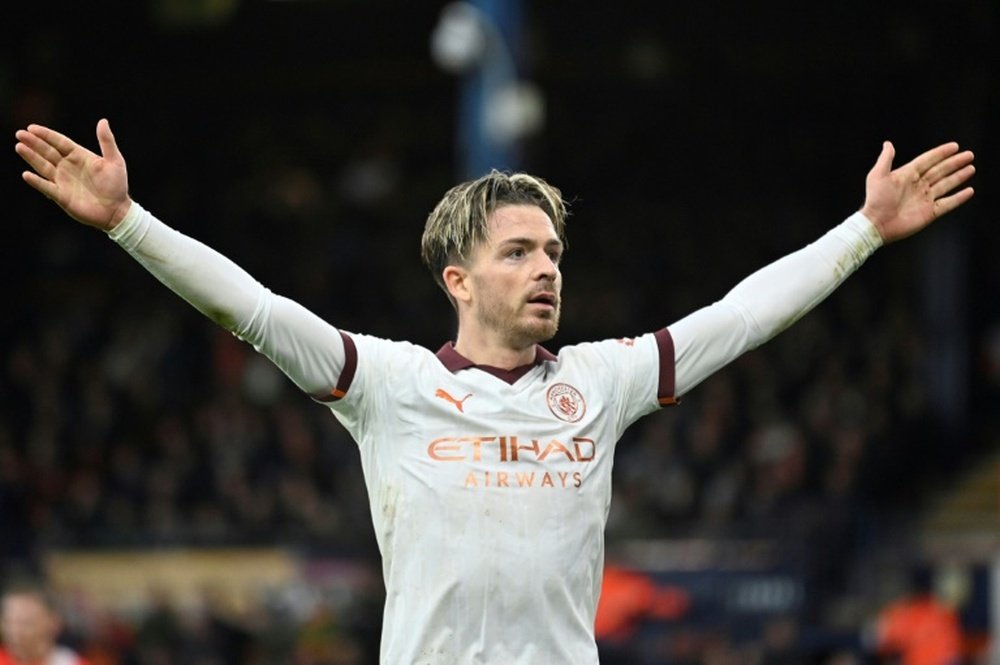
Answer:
(516, 253)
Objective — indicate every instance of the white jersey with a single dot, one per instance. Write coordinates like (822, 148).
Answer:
(490, 491)
(64, 656)
(58, 655)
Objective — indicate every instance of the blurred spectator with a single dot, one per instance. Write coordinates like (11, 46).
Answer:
(159, 633)
(919, 628)
(628, 598)
(30, 626)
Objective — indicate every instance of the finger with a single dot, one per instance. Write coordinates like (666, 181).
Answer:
(39, 146)
(109, 148)
(948, 183)
(46, 187)
(883, 165)
(63, 144)
(923, 163)
(42, 166)
(945, 205)
(949, 166)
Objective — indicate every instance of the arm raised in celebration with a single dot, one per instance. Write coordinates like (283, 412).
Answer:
(898, 203)
(93, 189)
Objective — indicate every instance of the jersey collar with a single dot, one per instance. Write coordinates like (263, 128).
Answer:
(455, 361)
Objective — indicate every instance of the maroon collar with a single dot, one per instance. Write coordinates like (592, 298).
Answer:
(455, 361)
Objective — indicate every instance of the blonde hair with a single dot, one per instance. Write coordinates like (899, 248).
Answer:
(459, 221)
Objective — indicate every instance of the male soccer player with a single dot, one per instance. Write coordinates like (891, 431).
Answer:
(488, 464)
(30, 626)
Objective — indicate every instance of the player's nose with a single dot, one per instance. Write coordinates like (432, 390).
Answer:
(545, 267)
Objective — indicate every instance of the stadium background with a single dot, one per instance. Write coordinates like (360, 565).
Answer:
(191, 507)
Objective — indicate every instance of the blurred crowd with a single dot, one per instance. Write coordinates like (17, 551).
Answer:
(128, 421)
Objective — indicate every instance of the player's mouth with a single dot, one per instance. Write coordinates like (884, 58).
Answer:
(545, 299)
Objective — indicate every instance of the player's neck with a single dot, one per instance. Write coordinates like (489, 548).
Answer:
(483, 350)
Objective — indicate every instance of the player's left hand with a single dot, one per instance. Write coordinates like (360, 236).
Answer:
(903, 201)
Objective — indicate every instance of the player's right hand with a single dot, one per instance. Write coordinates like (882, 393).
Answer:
(91, 188)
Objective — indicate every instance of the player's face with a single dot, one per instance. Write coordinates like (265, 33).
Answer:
(28, 626)
(515, 276)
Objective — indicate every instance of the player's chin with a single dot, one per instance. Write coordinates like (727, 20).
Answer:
(544, 329)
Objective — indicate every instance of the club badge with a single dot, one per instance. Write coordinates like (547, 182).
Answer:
(566, 403)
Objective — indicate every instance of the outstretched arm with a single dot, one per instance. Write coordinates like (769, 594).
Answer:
(93, 189)
(898, 203)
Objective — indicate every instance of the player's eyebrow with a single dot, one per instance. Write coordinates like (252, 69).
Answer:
(551, 243)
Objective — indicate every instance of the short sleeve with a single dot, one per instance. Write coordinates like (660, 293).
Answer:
(638, 373)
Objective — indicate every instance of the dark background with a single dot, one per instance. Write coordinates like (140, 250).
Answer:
(308, 140)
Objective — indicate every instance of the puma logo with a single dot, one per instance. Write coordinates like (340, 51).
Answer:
(443, 394)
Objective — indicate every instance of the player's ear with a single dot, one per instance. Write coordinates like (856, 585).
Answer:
(457, 283)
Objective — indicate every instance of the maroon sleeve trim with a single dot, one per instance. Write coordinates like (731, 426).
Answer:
(666, 387)
(346, 374)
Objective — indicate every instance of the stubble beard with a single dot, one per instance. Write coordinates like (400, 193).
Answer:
(514, 327)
